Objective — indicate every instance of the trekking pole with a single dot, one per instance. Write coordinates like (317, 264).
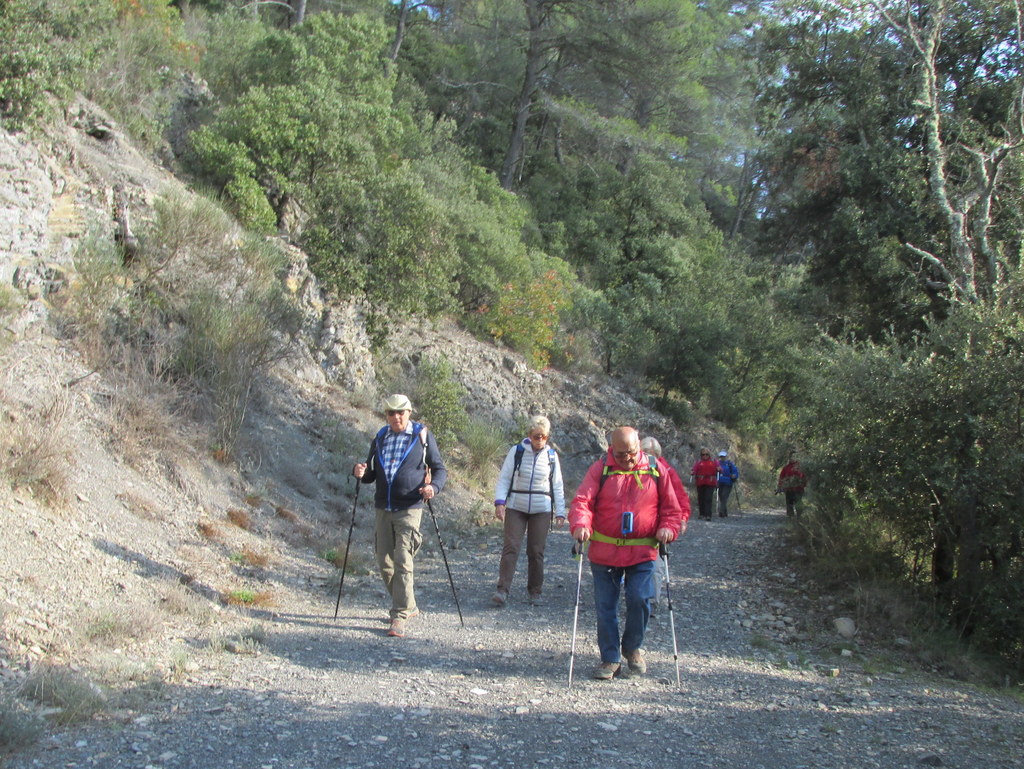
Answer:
(348, 544)
(576, 613)
(455, 595)
(663, 551)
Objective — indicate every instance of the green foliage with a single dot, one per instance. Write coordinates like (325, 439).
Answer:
(439, 400)
(926, 436)
(528, 317)
(43, 49)
(386, 239)
(484, 447)
(141, 55)
(312, 104)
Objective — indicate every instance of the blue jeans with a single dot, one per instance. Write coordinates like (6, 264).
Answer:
(639, 582)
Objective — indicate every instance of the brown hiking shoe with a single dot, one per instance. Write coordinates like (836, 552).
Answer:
(397, 629)
(636, 662)
(606, 671)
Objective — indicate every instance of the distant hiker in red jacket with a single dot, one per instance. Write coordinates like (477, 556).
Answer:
(705, 475)
(792, 482)
(625, 507)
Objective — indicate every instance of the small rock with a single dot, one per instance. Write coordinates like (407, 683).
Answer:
(845, 627)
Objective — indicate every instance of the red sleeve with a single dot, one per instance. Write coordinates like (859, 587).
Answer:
(670, 506)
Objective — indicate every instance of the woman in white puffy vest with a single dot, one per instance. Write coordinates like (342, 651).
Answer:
(529, 497)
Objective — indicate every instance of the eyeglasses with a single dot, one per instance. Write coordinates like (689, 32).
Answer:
(624, 454)
(538, 437)
(394, 412)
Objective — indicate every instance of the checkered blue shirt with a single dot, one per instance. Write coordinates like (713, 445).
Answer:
(393, 449)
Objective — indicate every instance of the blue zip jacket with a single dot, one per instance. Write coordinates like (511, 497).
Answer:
(728, 473)
(403, 492)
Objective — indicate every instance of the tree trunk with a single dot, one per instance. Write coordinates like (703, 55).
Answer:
(400, 25)
(511, 168)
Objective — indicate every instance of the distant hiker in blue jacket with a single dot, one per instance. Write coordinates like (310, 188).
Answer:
(406, 465)
(528, 497)
(728, 474)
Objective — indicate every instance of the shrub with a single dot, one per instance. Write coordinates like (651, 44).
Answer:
(34, 450)
(19, 724)
(924, 439)
(43, 47)
(484, 448)
(438, 397)
(78, 698)
(113, 625)
(527, 317)
(141, 55)
(240, 518)
(246, 597)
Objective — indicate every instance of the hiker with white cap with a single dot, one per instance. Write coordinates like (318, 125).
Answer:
(406, 465)
(728, 474)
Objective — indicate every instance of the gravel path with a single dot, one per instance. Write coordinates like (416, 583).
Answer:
(321, 693)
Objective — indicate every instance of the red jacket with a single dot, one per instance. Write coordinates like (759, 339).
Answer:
(792, 478)
(599, 507)
(705, 472)
(677, 484)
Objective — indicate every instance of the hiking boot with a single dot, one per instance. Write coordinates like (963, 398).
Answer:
(536, 600)
(636, 662)
(413, 613)
(397, 629)
(606, 671)
(499, 597)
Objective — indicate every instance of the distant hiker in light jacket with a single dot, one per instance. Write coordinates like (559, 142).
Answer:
(651, 445)
(728, 474)
(407, 467)
(528, 493)
(625, 507)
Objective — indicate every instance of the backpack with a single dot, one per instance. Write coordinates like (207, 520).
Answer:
(518, 460)
(652, 469)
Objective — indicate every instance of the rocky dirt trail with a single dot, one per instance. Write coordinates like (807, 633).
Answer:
(322, 693)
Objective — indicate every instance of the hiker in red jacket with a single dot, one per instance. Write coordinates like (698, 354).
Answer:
(705, 475)
(624, 507)
(792, 482)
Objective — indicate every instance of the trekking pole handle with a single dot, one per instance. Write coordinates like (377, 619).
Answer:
(663, 550)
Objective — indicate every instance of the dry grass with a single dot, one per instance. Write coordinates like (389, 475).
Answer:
(142, 415)
(288, 515)
(140, 506)
(177, 598)
(20, 725)
(77, 698)
(240, 518)
(34, 451)
(210, 531)
(251, 557)
(115, 624)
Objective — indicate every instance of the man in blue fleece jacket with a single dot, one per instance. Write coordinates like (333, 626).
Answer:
(406, 465)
